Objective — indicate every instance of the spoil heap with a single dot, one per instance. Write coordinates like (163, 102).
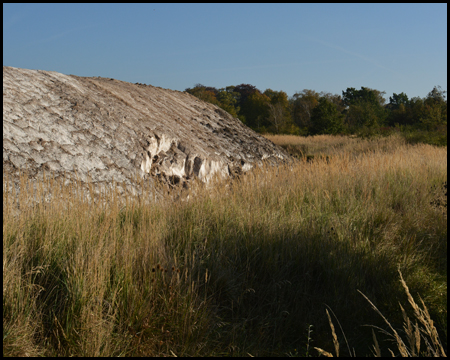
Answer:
(101, 129)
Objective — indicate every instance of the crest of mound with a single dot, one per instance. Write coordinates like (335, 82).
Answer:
(105, 129)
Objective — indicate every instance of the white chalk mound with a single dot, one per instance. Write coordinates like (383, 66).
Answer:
(105, 129)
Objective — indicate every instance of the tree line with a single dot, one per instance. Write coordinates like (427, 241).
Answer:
(308, 112)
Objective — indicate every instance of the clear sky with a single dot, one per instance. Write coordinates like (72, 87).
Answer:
(324, 47)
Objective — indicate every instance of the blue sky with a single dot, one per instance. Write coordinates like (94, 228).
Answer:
(324, 47)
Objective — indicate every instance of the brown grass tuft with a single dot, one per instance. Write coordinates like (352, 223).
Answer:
(87, 272)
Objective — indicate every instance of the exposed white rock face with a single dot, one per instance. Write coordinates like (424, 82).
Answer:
(114, 130)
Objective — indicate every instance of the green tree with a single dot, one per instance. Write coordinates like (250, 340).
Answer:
(279, 114)
(430, 112)
(352, 96)
(225, 98)
(203, 93)
(336, 99)
(326, 118)
(228, 100)
(302, 105)
(245, 90)
(365, 114)
(256, 111)
(436, 96)
(399, 110)
(398, 99)
(417, 108)
(276, 117)
(277, 97)
(365, 108)
(435, 109)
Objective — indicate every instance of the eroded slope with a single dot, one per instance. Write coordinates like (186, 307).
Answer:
(110, 129)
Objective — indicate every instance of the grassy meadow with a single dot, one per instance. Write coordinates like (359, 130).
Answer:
(343, 252)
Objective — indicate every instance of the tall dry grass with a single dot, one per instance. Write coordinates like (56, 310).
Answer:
(244, 267)
(415, 335)
(331, 145)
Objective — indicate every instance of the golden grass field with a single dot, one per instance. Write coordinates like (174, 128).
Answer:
(295, 260)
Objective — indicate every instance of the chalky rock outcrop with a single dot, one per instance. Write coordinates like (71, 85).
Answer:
(107, 129)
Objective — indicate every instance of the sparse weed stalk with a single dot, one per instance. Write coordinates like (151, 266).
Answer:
(250, 262)
(414, 334)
